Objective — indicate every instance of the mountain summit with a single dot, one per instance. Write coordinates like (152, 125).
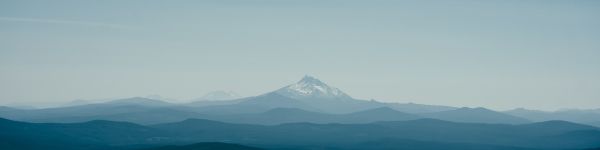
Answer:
(311, 87)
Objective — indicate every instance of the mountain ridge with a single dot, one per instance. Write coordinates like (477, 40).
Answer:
(311, 87)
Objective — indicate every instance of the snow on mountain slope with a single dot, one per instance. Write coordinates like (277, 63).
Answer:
(310, 87)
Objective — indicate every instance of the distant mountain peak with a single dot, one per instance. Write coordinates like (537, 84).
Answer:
(220, 95)
(311, 87)
(310, 79)
(138, 101)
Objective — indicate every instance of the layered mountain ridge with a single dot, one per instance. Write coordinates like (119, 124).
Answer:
(308, 114)
(308, 100)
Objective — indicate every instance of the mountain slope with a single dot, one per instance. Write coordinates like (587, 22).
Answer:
(328, 99)
(323, 98)
(295, 115)
(434, 133)
(87, 135)
(377, 114)
(579, 116)
(541, 135)
(475, 115)
(88, 112)
(312, 88)
(418, 108)
(256, 104)
(308, 94)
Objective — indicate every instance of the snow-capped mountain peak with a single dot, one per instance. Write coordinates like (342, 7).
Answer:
(311, 87)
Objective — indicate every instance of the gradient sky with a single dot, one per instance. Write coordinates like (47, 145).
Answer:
(502, 54)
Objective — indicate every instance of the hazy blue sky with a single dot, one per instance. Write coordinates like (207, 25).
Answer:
(541, 54)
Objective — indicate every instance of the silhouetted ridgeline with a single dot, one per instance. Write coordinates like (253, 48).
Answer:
(308, 100)
(414, 134)
(305, 115)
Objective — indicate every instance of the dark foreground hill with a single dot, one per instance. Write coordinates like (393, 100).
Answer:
(206, 146)
(555, 134)
(423, 134)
